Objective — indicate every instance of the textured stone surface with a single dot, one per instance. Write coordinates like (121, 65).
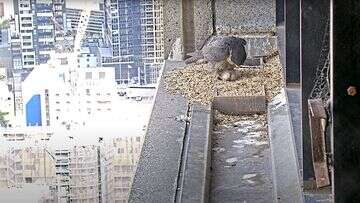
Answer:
(195, 21)
(172, 24)
(315, 198)
(294, 97)
(203, 21)
(245, 16)
(188, 26)
(280, 32)
(196, 178)
(158, 168)
(241, 163)
(284, 157)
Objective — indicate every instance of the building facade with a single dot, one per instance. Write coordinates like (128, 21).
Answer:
(134, 32)
(35, 27)
(45, 33)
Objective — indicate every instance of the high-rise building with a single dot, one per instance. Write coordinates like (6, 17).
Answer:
(134, 31)
(44, 26)
(25, 26)
(95, 25)
(35, 23)
(62, 157)
(2, 12)
(85, 175)
(59, 19)
(121, 156)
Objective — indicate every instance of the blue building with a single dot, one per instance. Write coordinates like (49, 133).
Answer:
(33, 111)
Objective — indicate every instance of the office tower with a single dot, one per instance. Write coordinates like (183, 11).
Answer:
(37, 23)
(59, 19)
(95, 25)
(25, 26)
(134, 31)
(44, 30)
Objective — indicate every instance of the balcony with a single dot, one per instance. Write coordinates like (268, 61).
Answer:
(191, 158)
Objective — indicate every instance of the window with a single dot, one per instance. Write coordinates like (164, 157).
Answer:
(101, 75)
(88, 75)
(28, 179)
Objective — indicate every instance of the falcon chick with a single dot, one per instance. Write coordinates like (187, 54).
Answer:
(223, 53)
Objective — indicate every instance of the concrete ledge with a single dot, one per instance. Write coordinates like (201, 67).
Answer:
(174, 164)
(158, 168)
(197, 161)
(240, 105)
(287, 185)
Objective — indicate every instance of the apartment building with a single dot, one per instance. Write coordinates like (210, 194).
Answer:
(72, 95)
(35, 22)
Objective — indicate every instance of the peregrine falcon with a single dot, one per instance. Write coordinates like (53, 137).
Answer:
(223, 53)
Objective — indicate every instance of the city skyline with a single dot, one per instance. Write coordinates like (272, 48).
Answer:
(76, 107)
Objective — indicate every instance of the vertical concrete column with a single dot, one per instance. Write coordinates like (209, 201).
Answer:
(172, 15)
(187, 25)
(292, 41)
(197, 23)
(204, 14)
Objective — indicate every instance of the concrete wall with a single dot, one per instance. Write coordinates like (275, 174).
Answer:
(203, 23)
(245, 16)
(193, 22)
(172, 24)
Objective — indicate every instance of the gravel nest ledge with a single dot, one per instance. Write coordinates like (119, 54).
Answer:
(198, 83)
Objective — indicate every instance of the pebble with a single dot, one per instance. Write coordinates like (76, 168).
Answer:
(198, 83)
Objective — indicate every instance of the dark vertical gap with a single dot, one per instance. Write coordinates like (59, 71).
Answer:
(314, 15)
(280, 12)
(292, 41)
(213, 10)
(188, 26)
(183, 157)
